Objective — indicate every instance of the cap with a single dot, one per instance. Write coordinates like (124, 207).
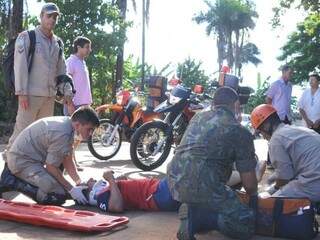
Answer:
(50, 8)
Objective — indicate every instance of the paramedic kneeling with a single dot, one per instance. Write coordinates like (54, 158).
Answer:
(294, 153)
(33, 160)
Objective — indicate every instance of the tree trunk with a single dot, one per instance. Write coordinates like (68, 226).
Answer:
(221, 51)
(230, 50)
(239, 66)
(16, 19)
(15, 27)
(122, 5)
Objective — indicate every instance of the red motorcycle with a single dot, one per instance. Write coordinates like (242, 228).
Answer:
(128, 116)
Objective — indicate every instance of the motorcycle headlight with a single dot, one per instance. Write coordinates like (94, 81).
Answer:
(173, 99)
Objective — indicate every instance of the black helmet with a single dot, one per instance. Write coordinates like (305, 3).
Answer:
(181, 92)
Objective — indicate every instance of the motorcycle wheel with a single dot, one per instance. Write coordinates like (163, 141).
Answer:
(97, 143)
(145, 140)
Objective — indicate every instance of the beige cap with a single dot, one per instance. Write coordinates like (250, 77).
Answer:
(50, 8)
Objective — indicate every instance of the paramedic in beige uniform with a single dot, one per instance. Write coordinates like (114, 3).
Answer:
(40, 149)
(36, 90)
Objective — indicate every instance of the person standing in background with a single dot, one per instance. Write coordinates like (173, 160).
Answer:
(309, 103)
(77, 69)
(279, 95)
(36, 89)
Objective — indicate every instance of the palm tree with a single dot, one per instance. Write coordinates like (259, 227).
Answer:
(248, 54)
(229, 21)
(122, 5)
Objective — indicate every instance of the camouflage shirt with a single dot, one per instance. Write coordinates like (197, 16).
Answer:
(203, 162)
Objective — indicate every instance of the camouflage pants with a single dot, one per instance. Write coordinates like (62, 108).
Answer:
(232, 219)
(237, 221)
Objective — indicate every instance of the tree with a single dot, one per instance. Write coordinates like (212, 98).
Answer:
(122, 5)
(257, 98)
(190, 73)
(11, 22)
(229, 21)
(248, 54)
(312, 6)
(302, 48)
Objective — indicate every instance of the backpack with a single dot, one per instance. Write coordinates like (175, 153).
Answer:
(8, 60)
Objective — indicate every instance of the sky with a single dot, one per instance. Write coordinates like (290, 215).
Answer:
(172, 36)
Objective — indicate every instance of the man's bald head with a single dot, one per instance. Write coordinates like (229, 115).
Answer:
(225, 96)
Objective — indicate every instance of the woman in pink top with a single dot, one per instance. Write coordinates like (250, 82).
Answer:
(76, 67)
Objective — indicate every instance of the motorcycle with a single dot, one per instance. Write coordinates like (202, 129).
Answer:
(151, 143)
(128, 115)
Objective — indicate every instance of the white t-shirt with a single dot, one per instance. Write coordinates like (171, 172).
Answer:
(310, 104)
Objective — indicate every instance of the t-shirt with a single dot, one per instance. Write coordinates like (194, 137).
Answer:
(77, 68)
(310, 104)
(294, 152)
(47, 140)
(136, 194)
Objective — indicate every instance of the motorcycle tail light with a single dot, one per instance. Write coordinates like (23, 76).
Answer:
(123, 97)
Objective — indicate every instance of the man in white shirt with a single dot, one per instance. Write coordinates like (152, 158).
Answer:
(279, 95)
(309, 104)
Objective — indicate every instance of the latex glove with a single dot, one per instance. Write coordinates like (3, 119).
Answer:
(76, 194)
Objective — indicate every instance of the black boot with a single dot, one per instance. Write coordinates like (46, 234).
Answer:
(4, 186)
(54, 199)
(3, 189)
(10, 182)
(185, 229)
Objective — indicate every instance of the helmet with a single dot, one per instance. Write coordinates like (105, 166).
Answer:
(65, 88)
(260, 114)
(181, 92)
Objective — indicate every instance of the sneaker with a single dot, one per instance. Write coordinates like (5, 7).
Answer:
(184, 232)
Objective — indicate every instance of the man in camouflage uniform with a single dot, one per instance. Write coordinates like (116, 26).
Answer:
(202, 165)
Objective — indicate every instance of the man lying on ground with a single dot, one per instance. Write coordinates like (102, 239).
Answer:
(149, 194)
